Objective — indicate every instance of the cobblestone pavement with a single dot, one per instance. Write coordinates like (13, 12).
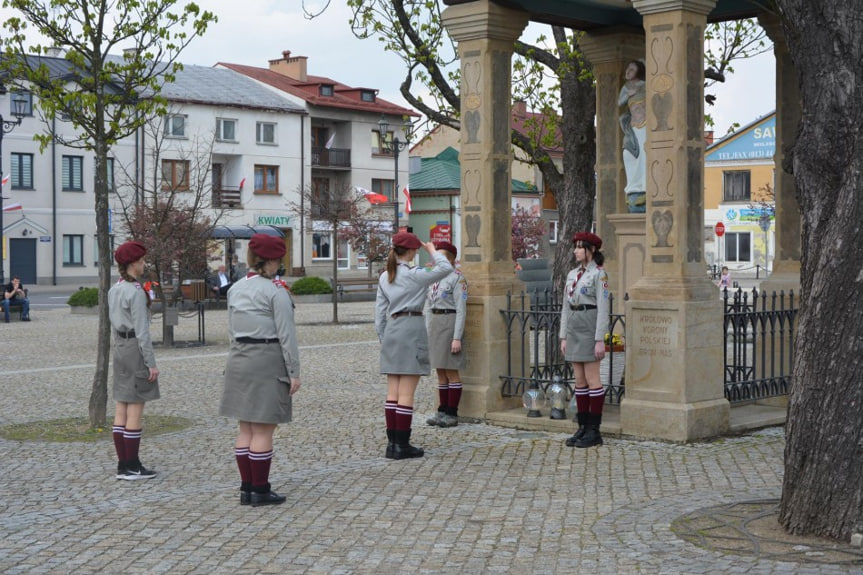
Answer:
(482, 500)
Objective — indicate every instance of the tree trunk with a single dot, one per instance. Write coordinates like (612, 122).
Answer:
(822, 492)
(334, 251)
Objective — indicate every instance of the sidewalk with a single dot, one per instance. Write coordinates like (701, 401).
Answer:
(484, 499)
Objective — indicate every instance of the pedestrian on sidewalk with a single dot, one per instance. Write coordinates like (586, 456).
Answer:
(583, 325)
(136, 377)
(263, 367)
(402, 332)
(446, 307)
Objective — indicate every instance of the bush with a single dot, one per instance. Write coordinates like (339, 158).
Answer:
(84, 297)
(311, 285)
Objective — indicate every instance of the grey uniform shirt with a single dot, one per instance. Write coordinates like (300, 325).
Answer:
(450, 293)
(590, 289)
(127, 310)
(262, 309)
(408, 291)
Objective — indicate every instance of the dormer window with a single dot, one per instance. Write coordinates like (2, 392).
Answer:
(367, 96)
(327, 90)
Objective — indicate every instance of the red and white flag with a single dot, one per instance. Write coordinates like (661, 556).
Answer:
(408, 207)
(5, 180)
(372, 197)
(12, 207)
(242, 183)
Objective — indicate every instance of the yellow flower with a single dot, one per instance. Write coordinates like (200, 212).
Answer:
(614, 339)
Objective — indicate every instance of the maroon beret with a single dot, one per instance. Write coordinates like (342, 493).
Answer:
(446, 246)
(406, 240)
(267, 247)
(129, 252)
(588, 237)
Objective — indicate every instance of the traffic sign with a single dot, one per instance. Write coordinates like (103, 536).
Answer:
(719, 229)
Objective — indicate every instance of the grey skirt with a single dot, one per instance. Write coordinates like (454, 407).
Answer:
(441, 328)
(130, 374)
(405, 347)
(580, 336)
(257, 387)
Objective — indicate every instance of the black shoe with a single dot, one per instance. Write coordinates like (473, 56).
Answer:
(581, 418)
(245, 497)
(390, 444)
(269, 498)
(25, 318)
(403, 448)
(135, 472)
(121, 470)
(590, 438)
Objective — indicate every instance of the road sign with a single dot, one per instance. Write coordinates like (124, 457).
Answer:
(719, 229)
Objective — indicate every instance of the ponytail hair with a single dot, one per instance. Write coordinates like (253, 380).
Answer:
(124, 273)
(596, 255)
(392, 262)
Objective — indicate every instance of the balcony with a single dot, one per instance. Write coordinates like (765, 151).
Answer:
(228, 197)
(331, 158)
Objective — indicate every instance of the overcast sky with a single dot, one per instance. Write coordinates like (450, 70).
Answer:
(252, 32)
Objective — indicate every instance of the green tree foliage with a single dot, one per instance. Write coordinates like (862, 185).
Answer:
(104, 97)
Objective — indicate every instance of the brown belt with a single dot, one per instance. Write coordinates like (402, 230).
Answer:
(126, 334)
(440, 311)
(581, 307)
(411, 313)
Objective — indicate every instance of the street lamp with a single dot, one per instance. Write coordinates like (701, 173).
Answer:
(396, 147)
(19, 110)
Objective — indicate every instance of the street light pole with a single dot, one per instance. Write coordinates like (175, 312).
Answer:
(396, 147)
(7, 126)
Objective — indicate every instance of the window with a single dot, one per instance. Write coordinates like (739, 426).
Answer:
(226, 130)
(382, 147)
(321, 246)
(367, 96)
(327, 90)
(266, 179)
(110, 176)
(22, 171)
(176, 127)
(266, 133)
(344, 261)
(738, 247)
(320, 196)
(384, 187)
(25, 97)
(73, 179)
(96, 249)
(553, 227)
(735, 186)
(73, 250)
(175, 175)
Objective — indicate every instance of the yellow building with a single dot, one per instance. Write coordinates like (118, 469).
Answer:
(738, 199)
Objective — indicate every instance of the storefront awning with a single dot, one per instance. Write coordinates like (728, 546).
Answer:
(245, 232)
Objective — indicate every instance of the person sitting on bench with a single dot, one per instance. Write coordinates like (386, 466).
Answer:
(220, 282)
(14, 293)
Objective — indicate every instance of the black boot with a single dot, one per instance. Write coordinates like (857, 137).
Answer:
(265, 496)
(581, 418)
(403, 448)
(591, 435)
(245, 493)
(391, 443)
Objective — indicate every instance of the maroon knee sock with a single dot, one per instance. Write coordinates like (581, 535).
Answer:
(454, 394)
(597, 400)
(243, 464)
(582, 399)
(131, 442)
(259, 464)
(443, 394)
(119, 442)
(404, 417)
(390, 414)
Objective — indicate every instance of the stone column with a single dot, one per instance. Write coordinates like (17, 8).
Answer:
(609, 50)
(486, 33)
(786, 258)
(674, 371)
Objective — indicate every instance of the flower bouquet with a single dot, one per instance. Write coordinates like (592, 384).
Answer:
(614, 342)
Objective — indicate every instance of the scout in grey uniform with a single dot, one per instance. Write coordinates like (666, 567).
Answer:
(583, 325)
(402, 333)
(263, 367)
(135, 372)
(446, 307)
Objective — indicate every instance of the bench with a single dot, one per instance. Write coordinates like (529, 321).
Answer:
(354, 285)
(17, 303)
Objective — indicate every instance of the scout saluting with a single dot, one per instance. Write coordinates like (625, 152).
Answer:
(135, 372)
(583, 325)
(446, 308)
(402, 333)
(263, 368)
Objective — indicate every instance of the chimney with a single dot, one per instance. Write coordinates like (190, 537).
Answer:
(708, 137)
(519, 109)
(291, 67)
(54, 52)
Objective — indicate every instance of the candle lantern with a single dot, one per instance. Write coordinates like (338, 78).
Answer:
(558, 395)
(533, 400)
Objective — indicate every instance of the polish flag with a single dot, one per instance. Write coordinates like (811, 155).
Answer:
(372, 197)
(5, 180)
(12, 207)
(242, 183)
(408, 207)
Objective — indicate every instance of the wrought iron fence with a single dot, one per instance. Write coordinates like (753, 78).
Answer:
(757, 357)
